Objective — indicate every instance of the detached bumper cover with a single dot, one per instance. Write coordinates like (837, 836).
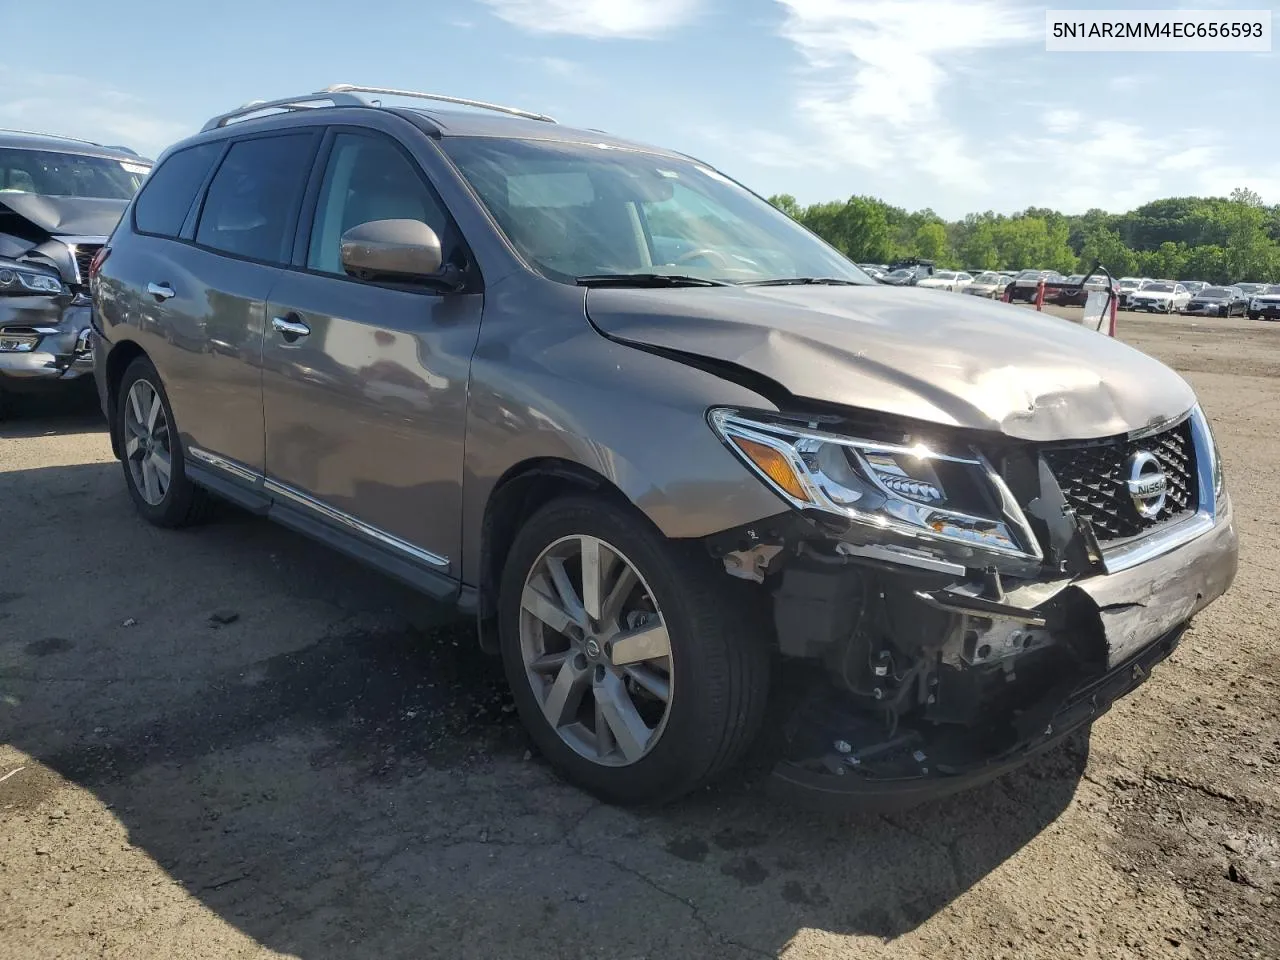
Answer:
(1142, 612)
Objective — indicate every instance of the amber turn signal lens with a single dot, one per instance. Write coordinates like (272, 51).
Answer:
(774, 465)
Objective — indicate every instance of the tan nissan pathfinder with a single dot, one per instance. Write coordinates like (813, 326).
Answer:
(659, 439)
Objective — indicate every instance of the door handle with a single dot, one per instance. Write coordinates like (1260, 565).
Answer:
(161, 291)
(291, 330)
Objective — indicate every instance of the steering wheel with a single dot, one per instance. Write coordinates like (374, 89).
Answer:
(717, 258)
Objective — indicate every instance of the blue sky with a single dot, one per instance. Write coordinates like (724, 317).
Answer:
(950, 105)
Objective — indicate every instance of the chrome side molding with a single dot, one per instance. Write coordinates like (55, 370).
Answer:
(296, 497)
(275, 488)
(232, 467)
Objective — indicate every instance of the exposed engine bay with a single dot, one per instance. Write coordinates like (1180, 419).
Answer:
(940, 665)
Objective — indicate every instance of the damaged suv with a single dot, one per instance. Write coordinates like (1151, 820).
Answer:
(59, 199)
(666, 445)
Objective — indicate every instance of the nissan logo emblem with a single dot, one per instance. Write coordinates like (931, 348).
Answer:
(1147, 483)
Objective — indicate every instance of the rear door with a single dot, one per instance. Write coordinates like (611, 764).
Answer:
(242, 236)
(365, 383)
(212, 229)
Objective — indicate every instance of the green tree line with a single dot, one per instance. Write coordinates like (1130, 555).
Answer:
(1221, 240)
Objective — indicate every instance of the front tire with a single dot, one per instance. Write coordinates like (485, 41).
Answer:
(1252, 315)
(154, 468)
(634, 661)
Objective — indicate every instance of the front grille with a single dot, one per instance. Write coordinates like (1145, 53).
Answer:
(85, 252)
(1093, 476)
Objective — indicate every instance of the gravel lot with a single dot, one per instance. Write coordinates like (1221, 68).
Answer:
(227, 742)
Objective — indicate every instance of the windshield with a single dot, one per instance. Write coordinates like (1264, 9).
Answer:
(1215, 293)
(580, 210)
(1249, 287)
(52, 174)
(990, 278)
(944, 275)
(1158, 288)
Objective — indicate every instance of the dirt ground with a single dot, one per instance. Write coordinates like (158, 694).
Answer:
(228, 742)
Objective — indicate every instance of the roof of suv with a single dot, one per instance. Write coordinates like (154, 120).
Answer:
(23, 140)
(481, 120)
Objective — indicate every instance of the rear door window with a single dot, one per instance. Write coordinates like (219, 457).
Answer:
(167, 194)
(250, 207)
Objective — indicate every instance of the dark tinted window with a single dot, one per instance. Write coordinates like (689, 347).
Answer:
(249, 207)
(167, 194)
(368, 178)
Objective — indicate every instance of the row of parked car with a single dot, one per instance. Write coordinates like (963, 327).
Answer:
(1258, 301)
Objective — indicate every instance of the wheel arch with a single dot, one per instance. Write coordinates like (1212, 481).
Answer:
(519, 493)
(122, 354)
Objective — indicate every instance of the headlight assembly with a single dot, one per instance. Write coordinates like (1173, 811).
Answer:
(23, 281)
(954, 502)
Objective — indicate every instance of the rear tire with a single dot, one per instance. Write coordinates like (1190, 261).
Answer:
(712, 662)
(151, 449)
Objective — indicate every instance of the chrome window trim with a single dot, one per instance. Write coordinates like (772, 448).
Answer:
(359, 526)
(1169, 538)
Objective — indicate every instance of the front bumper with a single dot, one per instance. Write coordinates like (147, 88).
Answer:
(1140, 613)
(1267, 311)
(56, 335)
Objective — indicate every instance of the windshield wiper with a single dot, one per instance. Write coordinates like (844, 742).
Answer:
(645, 280)
(802, 281)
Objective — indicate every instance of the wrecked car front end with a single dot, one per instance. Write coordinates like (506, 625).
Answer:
(956, 601)
(59, 201)
(44, 323)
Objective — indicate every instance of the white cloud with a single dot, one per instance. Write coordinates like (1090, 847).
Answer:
(1062, 120)
(56, 104)
(888, 87)
(596, 18)
(876, 69)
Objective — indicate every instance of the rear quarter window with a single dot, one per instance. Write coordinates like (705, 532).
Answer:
(167, 194)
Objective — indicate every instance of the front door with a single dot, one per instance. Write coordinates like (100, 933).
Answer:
(365, 384)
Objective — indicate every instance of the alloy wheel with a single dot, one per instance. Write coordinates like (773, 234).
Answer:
(596, 651)
(147, 443)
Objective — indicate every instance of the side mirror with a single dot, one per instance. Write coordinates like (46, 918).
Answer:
(397, 250)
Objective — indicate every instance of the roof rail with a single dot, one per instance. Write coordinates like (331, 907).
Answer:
(346, 95)
(308, 101)
(339, 88)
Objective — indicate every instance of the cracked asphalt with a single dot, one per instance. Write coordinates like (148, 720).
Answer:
(228, 742)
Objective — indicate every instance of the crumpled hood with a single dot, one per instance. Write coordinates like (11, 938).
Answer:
(66, 216)
(958, 361)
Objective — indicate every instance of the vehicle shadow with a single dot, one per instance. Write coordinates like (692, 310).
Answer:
(332, 767)
(32, 415)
